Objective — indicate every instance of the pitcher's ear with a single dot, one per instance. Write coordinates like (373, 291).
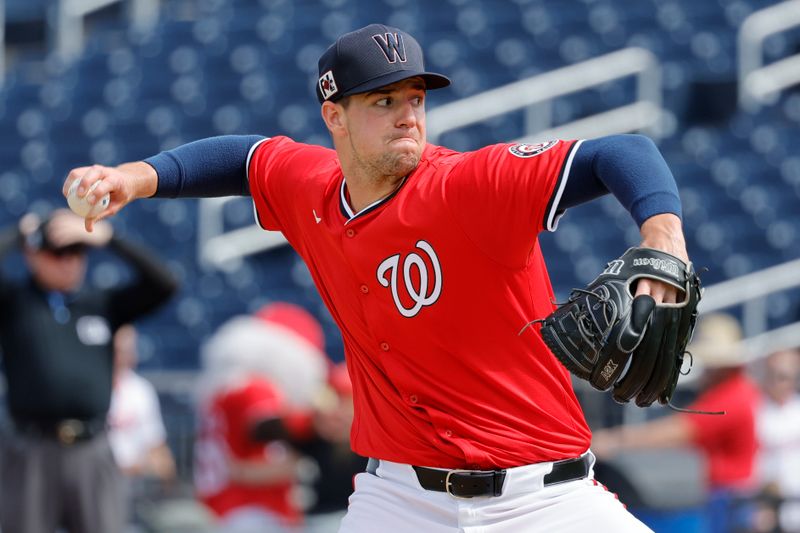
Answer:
(333, 115)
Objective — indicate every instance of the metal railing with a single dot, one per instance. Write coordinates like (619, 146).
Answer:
(759, 83)
(751, 292)
(536, 94)
(782, 338)
(67, 24)
(225, 250)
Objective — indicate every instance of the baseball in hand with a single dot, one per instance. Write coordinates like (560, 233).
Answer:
(80, 206)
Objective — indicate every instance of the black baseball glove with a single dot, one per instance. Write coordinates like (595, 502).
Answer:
(603, 331)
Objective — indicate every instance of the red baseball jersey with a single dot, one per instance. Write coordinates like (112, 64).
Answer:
(225, 423)
(431, 287)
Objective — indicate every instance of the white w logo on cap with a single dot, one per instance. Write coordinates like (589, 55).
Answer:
(392, 46)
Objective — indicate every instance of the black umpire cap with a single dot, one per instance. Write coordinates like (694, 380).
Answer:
(372, 57)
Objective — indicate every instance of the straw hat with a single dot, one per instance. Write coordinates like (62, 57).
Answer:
(717, 342)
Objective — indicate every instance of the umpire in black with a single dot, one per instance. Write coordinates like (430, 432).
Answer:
(56, 339)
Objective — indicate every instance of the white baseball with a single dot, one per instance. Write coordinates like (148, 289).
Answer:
(80, 206)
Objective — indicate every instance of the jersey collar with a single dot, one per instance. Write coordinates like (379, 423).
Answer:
(347, 211)
(344, 203)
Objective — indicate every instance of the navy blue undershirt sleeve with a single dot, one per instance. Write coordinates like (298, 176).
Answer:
(206, 168)
(628, 166)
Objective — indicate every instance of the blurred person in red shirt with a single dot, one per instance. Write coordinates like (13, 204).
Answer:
(320, 435)
(316, 437)
(256, 369)
(728, 442)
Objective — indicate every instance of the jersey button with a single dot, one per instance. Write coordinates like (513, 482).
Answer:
(385, 346)
(448, 433)
(364, 289)
(413, 398)
(350, 232)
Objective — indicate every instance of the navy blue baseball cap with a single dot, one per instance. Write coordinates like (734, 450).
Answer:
(369, 58)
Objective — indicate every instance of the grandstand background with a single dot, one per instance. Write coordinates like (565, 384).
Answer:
(152, 75)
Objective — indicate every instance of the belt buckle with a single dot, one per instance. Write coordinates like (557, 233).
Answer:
(68, 431)
(448, 483)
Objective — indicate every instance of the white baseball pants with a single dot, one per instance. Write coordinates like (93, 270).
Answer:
(393, 501)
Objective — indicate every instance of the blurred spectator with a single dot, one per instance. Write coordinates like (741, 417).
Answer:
(779, 435)
(329, 449)
(136, 429)
(137, 434)
(728, 442)
(779, 424)
(320, 435)
(56, 338)
(246, 483)
(258, 372)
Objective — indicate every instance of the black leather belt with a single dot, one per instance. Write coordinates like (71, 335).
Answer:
(67, 431)
(471, 483)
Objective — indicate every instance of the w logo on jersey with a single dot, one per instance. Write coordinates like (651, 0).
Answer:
(424, 290)
(392, 46)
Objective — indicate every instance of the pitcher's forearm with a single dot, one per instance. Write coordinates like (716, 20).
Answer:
(146, 178)
(665, 232)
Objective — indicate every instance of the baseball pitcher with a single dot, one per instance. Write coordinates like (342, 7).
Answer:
(429, 262)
